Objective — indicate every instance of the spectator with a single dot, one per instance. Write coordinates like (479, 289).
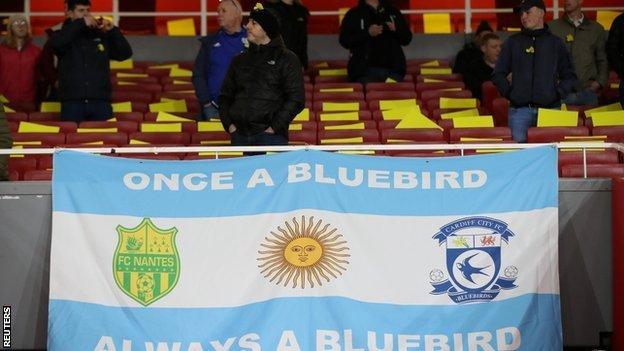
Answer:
(19, 60)
(215, 55)
(263, 89)
(480, 69)
(615, 50)
(585, 41)
(85, 45)
(293, 17)
(533, 70)
(5, 143)
(48, 89)
(471, 51)
(374, 32)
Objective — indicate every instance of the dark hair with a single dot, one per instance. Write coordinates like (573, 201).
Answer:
(71, 4)
(487, 37)
(484, 26)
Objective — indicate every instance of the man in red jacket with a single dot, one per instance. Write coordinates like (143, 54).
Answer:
(19, 60)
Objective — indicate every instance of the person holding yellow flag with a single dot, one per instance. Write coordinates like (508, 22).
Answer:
(263, 89)
(5, 143)
(84, 46)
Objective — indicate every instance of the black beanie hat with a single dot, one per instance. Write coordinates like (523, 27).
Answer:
(484, 26)
(266, 20)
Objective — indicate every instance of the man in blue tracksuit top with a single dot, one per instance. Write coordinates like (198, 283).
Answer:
(533, 70)
(215, 56)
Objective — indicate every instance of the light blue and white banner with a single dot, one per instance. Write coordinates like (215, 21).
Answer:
(305, 251)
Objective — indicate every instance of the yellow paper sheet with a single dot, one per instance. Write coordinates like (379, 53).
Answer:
(462, 113)
(399, 141)
(337, 72)
(7, 109)
(336, 90)
(473, 122)
(431, 80)
(356, 152)
(122, 107)
(101, 142)
(215, 142)
(221, 153)
(181, 27)
(451, 89)
(181, 82)
(179, 72)
(166, 66)
(138, 142)
(390, 80)
(127, 64)
(457, 103)
(615, 85)
(417, 122)
(585, 138)
(161, 127)
(304, 115)
(564, 107)
(608, 118)
(437, 23)
(126, 83)
(131, 75)
(353, 126)
(3, 99)
(425, 70)
(210, 126)
(112, 119)
(50, 107)
(612, 107)
(434, 63)
(29, 127)
(493, 151)
(295, 127)
(345, 116)
(27, 143)
(321, 64)
(606, 17)
(394, 104)
(97, 130)
(400, 113)
(556, 118)
(341, 106)
(167, 117)
(169, 106)
(356, 140)
(465, 139)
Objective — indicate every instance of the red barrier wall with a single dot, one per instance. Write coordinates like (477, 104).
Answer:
(617, 213)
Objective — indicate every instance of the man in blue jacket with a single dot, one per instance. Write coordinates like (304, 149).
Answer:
(534, 70)
(215, 55)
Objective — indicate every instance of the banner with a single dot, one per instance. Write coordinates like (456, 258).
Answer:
(305, 251)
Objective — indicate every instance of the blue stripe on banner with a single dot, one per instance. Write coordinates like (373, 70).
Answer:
(515, 181)
(312, 324)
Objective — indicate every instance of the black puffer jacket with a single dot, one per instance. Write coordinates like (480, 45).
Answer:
(262, 88)
(382, 51)
(542, 72)
(84, 60)
(294, 27)
(615, 45)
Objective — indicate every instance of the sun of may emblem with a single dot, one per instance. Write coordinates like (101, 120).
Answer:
(304, 253)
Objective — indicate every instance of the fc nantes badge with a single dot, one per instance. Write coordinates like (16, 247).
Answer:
(146, 264)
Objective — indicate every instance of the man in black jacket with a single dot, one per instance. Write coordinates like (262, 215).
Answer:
(480, 69)
(374, 32)
(615, 50)
(293, 18)
(263, 89)
(84, 46)
(534, 70)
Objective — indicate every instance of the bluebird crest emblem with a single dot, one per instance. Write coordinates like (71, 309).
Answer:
(473, 260)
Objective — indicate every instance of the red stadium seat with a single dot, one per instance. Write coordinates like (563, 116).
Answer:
(331, 79)
(368, 136)
(37, 175)
(187, 127)
(402, 86)
(65, 127)
(420, 87)
(210, 138)
(500, 112)
(592, 157)
(355, 86)
(390, 95)
(436, 94)
(46, 139)
(151, 116)
(502, 133)
(151, 88)
(430, 136)
(456, 77)
(304, 137)
(318, 105)
(16, 116)
(328, 125)
(129, 116)
(44, 116)
(554, 134)
(593, 171)
(489, 92)
(22, 164)
(121, 126)
(118, 139)
(14, 176)
(334, 97)
(362, 116)
(614, 133)
(179, 139)
(179, 87)
(138, 96)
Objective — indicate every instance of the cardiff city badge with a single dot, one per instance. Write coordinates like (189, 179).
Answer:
(473, 260)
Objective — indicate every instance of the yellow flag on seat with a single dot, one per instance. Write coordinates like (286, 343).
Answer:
(96, 130)
(426, 70)
(169, 106)
(122, 107)
(3, 99)
(138, 142)
(336, 90)
(304, 115)
(336, 72)
(7, 109)
(180, 72)
(167, 117)
(608, 118)
(181, 27)
(49, 106)
(352, 126)
(556, 118)
(434, 63)
(131, 75)
(437, 23)
(210, 126)
(341, 106)
(29, 127)
(342, 116)
(400, 113)
(462, 113)
(393, 104)
(457, 103)
(612, 107)
(127, 64)
(473, 122)
(161, 127)
(295, 127)
(355, 140)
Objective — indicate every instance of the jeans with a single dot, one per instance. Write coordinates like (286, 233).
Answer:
(378, 74)
(262, 139)
(520, 120)
(584, 97)
(209, 112)
(78, 111)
